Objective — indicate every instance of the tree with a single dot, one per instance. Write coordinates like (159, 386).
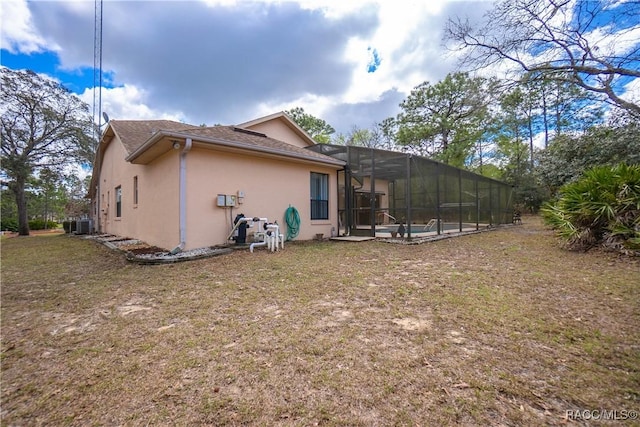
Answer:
(8, 212)
(42, 125)
(517, 116)
(560, 106)
(513, 128)
(443, 120)
(372, 138)
(77, 205)
(568, 156)
(49, 197)
(318, 129)
(591, 44)
(389, 129)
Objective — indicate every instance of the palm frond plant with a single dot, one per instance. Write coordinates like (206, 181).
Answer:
(601, 207)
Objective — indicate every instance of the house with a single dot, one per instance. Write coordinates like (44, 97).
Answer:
(175, 185)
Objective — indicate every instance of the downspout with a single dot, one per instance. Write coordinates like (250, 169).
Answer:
(183, 197)
(98, 212)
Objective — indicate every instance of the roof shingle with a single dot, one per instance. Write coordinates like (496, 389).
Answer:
(134, 134)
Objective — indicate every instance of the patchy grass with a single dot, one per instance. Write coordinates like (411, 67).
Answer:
(497, 328)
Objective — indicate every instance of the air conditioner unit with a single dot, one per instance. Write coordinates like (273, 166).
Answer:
(84, 226)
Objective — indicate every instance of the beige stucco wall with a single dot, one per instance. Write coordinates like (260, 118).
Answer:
(381, 186)
(278, 130)
(270, 186)
(155, 219)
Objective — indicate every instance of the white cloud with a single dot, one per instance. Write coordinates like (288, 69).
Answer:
(632, 91)
(129, 103)
(614, 43)
(228, 61)
(224, 59)
(333, 9)
(403, 43)
(17, 32)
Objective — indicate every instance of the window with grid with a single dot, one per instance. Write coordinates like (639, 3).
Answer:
(319, 196)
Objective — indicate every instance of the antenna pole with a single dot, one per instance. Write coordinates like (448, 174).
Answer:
(97, 66)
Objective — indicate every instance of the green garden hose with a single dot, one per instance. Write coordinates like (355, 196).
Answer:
(292, 218)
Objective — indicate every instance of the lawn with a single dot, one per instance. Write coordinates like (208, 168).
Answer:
(496, 328)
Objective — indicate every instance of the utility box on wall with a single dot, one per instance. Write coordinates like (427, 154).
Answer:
(226, 200)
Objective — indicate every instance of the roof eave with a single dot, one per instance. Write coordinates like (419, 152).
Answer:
(105, 138)
(138, 157)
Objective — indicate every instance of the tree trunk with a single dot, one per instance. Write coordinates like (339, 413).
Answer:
(531, 141)
(545, 118)
(21, 202)
(46, 208)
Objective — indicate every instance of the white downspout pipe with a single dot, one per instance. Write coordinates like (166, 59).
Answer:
(98, 214)
(183, 197)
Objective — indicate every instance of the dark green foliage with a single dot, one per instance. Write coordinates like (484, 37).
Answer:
(444, 120)
(603, 207)
(528, 195)
(40, 224)
(317, 128)
(569, 156)
(43, 128)
(9, 224)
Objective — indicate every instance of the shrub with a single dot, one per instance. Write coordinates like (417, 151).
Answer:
(602, 207)
(40, 224)
(9, 224)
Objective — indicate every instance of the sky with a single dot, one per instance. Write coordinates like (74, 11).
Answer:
(349, 62)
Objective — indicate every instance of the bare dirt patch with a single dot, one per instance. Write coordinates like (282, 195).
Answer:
(496, 328)
(144, 250)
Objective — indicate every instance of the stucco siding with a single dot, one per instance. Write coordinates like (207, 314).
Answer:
(157, 214)
(381, 188)
(277, 130)
(111, 176)
(269, 187)
(155, 217)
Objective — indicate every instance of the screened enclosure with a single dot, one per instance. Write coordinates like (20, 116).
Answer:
(386, 193)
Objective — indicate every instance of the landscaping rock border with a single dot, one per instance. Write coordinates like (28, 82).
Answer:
(140, 252)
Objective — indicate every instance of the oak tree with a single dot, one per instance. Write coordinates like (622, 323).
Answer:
(587, 43)
(42, 126)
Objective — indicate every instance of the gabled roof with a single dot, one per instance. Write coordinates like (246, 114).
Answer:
(133, 133)
(284, 118)
(145, 140)
(145, 143)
